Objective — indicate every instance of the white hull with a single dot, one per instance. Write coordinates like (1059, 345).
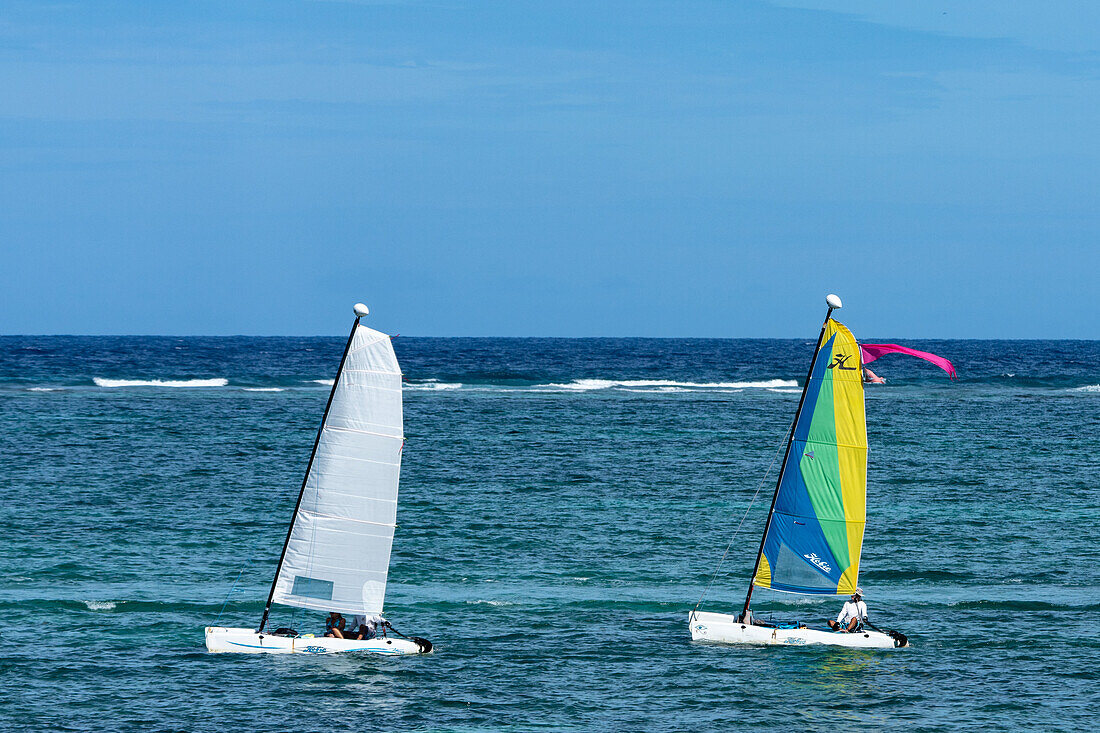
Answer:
(247, 641)
(726, 629)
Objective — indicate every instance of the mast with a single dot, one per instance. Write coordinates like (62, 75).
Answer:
(833, 302)
(360, 311)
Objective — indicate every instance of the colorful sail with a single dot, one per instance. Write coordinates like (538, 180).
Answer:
(815, 534)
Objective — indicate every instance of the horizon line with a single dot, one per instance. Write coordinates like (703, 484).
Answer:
(563, 338)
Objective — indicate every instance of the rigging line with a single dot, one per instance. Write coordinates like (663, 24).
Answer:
(231, 589)
(717, 570)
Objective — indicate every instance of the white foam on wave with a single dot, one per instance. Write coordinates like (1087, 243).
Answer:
(674, 390)
(490, 603)
(217, 382)
(640, 386)
(784, 390)
(1087, 388)
(585, 385)
(431, 386)
(657, 390)
(100, 605)
(262, 389)
(43, 389)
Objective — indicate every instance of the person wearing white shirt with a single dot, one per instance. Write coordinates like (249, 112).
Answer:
(853, 613)
(366, 627)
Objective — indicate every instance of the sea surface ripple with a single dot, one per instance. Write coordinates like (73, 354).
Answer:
(563, 505)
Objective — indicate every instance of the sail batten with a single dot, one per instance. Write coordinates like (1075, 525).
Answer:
(391, 525)
(814, 535)
(338, 552)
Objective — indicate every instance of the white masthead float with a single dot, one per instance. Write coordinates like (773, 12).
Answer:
(814, 534)
(336, 555)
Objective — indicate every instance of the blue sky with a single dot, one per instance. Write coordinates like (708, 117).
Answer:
(561, 168)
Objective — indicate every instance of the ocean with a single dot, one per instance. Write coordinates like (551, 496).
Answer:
(563, 505)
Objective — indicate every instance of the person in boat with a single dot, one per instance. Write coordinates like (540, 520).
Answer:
(852, 615)
(366, 627)
(334, 626)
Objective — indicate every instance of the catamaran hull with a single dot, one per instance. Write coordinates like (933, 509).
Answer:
(726, 629)
(247, 641)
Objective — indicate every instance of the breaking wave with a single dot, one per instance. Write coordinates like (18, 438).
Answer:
(263, 389)
(432, 385)
(217, 382)
(100, 605)
(586, 385)
(1087, 388)
(644, 386)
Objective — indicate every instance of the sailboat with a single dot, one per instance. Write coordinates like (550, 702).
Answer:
(814, 532)
(336, 555)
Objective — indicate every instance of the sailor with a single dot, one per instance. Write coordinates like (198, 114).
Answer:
(334, 625)
(852, 615)
(366, 627)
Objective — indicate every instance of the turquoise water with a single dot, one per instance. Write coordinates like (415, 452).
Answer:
(563, 505)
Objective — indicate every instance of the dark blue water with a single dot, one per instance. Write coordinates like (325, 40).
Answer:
(563, 504)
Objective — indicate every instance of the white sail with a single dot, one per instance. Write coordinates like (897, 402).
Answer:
(338, 555)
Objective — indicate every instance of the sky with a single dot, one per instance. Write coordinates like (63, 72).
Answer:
(585, 168)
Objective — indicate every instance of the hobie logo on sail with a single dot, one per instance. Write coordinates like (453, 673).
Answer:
(840, 360)
(812, 557)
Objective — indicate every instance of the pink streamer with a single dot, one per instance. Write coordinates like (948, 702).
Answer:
(874, 351)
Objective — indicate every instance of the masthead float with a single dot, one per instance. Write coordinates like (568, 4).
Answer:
(814, 532)
(336, 554)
